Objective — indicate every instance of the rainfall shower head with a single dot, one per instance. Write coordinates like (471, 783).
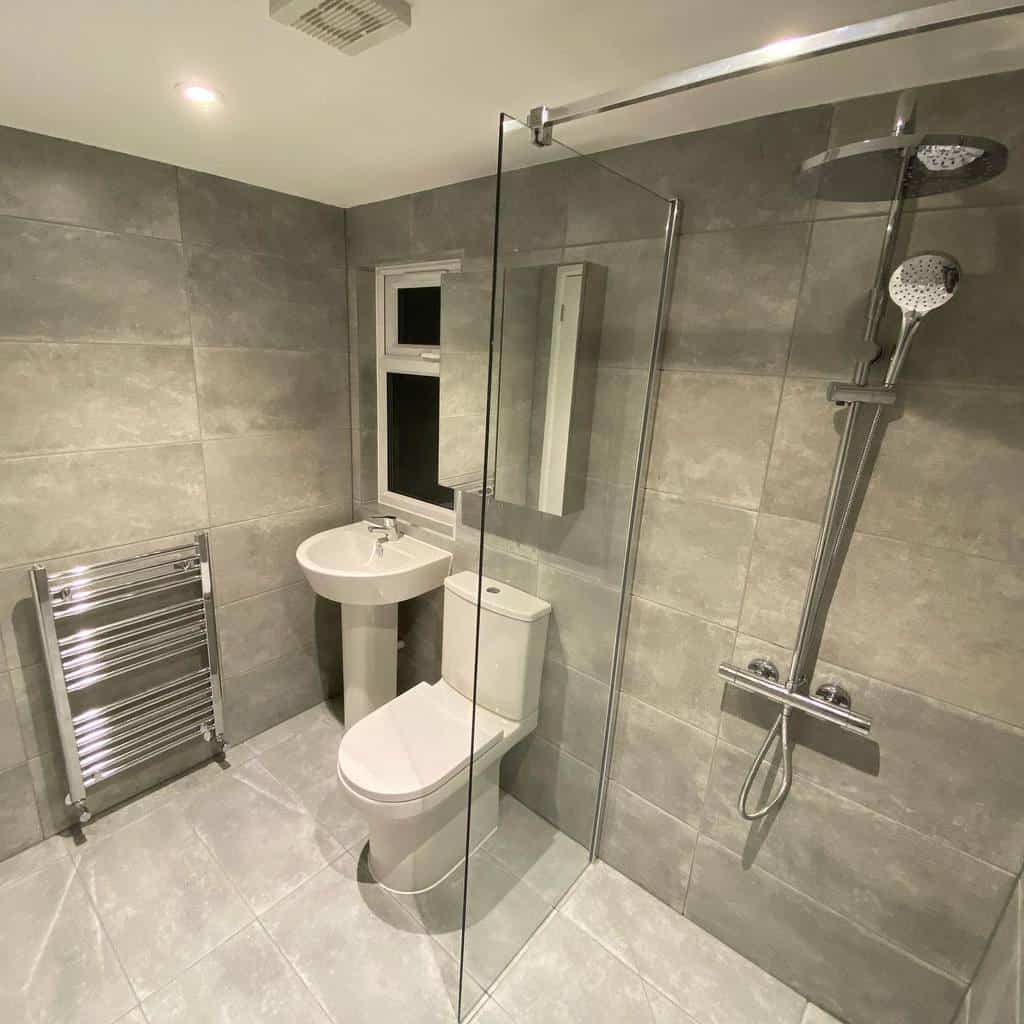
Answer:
(919, 285)
(869, 171)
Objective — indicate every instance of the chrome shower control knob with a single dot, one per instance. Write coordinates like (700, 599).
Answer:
(834, 694)
(764, 668)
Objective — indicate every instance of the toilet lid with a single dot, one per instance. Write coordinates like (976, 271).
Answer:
(413, 744)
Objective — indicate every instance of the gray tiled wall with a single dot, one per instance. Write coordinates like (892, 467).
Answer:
(173, 356)
(877, 887)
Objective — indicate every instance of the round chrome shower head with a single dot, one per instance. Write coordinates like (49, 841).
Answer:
(869, 171)
(924, 282)
(920, 284)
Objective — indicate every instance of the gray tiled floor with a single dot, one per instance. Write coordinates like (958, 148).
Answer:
(241, 894)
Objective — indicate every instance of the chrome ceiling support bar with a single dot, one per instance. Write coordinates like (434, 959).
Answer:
(896, 26)
(156, 714)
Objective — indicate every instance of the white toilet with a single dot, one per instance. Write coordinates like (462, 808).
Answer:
(405, 766)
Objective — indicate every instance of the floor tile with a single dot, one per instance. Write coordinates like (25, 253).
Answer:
(61, 969)
(489, 1012)
(565, 975)
(535, 850)
(502, 913)
(309, 766)
(263, 837)
(362, 955)
(35, 858)
(292, 727)
(816, 1015)
(162, 897)
(135, 1016)
(702, 975)
(244, 981)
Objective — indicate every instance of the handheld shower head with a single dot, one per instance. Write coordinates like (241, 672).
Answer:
(920, 284)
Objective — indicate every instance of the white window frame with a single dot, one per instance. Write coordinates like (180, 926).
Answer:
(424, 360)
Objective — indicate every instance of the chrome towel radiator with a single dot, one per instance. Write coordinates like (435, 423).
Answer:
(121, 630)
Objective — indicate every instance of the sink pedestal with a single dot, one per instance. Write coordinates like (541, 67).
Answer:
(369, 657)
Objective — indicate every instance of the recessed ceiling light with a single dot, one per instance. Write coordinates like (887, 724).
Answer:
(200, 95)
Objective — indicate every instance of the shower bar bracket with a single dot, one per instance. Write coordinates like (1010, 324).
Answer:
(823, 710)
(844, 393)
(130, 724)
(543, 119)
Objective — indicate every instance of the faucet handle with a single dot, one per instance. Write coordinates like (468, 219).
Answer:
(384, 520)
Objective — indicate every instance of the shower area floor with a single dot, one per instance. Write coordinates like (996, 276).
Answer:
(240, 894)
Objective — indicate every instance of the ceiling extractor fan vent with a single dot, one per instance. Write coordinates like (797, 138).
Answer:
(348, 25)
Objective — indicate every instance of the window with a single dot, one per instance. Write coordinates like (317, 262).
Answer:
(408, 383)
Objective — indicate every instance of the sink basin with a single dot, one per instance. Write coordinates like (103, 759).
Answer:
(368, 578)
(348, 565)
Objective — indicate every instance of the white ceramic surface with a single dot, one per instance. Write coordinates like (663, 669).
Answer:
(347, 565)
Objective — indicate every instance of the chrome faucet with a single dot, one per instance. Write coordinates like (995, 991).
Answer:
(386, 528)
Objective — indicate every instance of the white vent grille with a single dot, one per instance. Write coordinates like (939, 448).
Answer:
(348, 25)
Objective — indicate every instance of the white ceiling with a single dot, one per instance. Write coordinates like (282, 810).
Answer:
(421, 109)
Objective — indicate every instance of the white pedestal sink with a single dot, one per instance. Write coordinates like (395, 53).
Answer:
(368, 578)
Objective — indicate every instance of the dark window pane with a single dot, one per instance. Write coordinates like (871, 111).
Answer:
(419, 316)
(412, 439)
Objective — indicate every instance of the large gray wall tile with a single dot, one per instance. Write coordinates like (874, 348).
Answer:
(266, 627)
(712, 436)
(976, 800)
(51, 179)
(603, 206)
(261, 475)
(270, 693)
(259, 555)
(19, 820)
(948, 469)
(995, 993)
(218, 211)
(253, 392)
(662, 759)
(246, 300)
(672, 660)
(66, 397)
(379, 231)
(573, 710)
(553, 784)
(12, 748)
(693, 556)
(734, 299)
(818, 952)
(73, 284)
(37, 718)
(455, 217)
(901, 609)
(104, 498)
(582, 624)
(933, 901)
(648, 845)
(840, 266)
(735, 175)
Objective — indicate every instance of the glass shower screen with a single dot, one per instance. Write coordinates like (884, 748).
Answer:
(549, 483)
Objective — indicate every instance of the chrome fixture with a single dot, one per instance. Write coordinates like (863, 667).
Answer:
(914, 164)
(385, 527)
(132, 727)
(787, 51)
(833, 693)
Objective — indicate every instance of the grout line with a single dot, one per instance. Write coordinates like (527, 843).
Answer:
(292, 968)
(110, 232)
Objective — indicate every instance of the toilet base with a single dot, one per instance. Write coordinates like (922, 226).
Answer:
(412, 855)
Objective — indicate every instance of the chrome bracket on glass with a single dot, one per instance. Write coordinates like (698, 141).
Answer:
(168, 598)
(828, 707)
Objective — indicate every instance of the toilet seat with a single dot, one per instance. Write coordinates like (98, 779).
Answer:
(414, 744)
